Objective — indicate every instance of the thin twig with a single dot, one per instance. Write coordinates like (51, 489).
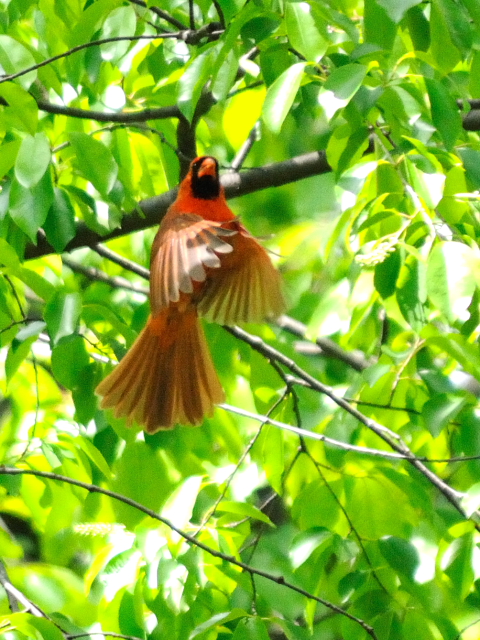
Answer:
(80, 47)
(97, 274)
(161, 14)
(248, 448)
(105, 252)
(13, 601)
(245, 149)
(191, 15)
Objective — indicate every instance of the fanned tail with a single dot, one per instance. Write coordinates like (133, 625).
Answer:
(167, 377)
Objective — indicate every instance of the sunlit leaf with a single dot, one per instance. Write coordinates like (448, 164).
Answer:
(340, 87)
(306, 32)
(60, 222)
(62, 314)
(396, 9)
(244, 509)
(14, 57)
(452, 273)
(121, 22)
(440, 410)
(69, 357)
(32, 160)
(94, 161)
(445, 114)
(29, 207)
(217, 620)
(280, 96)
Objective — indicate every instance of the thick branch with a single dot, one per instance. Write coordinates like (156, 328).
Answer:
(236, 184)
(161, 113)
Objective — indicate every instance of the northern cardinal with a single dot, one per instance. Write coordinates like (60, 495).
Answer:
(204, 262)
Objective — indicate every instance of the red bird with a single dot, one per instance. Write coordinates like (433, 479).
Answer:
(204, 262)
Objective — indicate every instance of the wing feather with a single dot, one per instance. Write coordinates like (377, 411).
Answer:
(248, 291)
(183, 251)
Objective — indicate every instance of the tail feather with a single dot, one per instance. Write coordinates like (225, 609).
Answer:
(167, 377)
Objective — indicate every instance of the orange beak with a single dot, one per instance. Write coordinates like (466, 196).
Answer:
(208, 168)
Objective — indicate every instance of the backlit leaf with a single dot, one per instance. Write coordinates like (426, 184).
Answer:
(280, 96)
(32, 160)
(94, 161)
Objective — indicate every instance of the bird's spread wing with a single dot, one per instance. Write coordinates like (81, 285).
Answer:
(246, 289)
(182, 250)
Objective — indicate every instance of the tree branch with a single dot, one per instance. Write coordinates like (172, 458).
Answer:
(85, 45)
(160, 113)
(161, 14)
(387, 435)
(253, 571)
(153, 209)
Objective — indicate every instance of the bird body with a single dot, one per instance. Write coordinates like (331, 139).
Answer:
(204, 262)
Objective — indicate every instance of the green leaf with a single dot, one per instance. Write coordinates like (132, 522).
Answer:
(192, 83)
(244, 509)
(15, 57)
(22, 110)
(140, 474)
(419, 28)
(218, 619)
(471, 162)
(452, 272)
(32, 160)
(8, 255)
(95, 456)
(400, 555)
(379, 27)
(445, 114)
(306, 32)
(253, 628)
(471, 500)
(459, 348)
(29, 207)
(47, 629)
(62, 313)
(69, 357)
(340, 87)
(84, 398)
(445, 54)
(60, 222)
(18, 351)
(224, 78)
(8, 155)
(440, 410)
(259, 28)
(396, 9)
(280, 96)
(473, 9)
(306, 543)
(460, 564)
(386, 274)
(94, 161)
(39, 285)
(121, 22)
(412, 292)
(363, 497)
(273, 456)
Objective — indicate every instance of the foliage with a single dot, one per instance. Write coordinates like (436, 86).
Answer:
(361, 523)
